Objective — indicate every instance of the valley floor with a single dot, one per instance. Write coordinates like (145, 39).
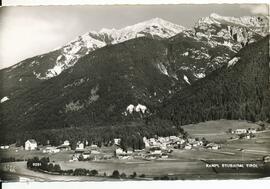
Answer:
(196, 163)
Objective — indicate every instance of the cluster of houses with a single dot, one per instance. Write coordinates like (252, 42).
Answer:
(165, 143)
(245, 133)
(83, 153)
(160, 147)
(31, 144)
(52, 149)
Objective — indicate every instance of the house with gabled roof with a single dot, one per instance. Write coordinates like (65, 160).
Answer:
(30, 144)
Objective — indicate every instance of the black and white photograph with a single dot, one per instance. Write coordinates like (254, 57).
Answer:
(121, 93)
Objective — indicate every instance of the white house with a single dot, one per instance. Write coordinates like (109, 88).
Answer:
(30, 144)
(95, 152)
(213, 146)
(51, 149)
(188, 147)
(86, 155)
(119, 151)
(80, 146)
(240, 131)
(66, 143)
(252, 130)
(146, 142)
(117, 141)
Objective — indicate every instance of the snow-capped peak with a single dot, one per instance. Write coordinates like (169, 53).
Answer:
(153, 27)
(93, 40)
(245, 21)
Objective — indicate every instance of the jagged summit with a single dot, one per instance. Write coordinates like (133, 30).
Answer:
(158, 22)
(256, 23)
(82, 45)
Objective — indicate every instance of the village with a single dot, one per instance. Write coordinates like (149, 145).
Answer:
(155, 148)
(195, 150)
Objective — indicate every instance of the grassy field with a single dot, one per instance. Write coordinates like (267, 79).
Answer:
(217, 130)
(19, 153)
(22, 171)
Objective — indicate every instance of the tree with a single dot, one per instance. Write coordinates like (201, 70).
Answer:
(93, 172)
(123, 175)
(142, 175)
(134, 174)
(50, 167)
(230, 130)
(115, 174)
(57, 168)
(80, 158)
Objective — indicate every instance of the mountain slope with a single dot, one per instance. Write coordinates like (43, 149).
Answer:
(215, 31)
(31, 72)
(125, 82)
(102, 84)
(239, 90)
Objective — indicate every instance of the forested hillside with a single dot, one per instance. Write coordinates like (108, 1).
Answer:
(239, 90)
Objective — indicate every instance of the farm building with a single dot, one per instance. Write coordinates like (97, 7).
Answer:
(119, 151)
(51, 149)
(239, 131)
(117, 141)
(213, 146)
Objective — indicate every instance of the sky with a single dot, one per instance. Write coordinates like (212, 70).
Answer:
(26, 31)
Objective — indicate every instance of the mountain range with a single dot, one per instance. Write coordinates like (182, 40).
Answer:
(154, 70)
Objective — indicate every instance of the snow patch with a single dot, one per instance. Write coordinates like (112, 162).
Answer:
(186, 79)
(139, 108)
(185, 54)
(4, 99)
(94, 96)
(76, 83)
(233, 61)
(73, 106)
(162, 69)
(184, 68)
(130, 108)
(228, 44)
(199, 75)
